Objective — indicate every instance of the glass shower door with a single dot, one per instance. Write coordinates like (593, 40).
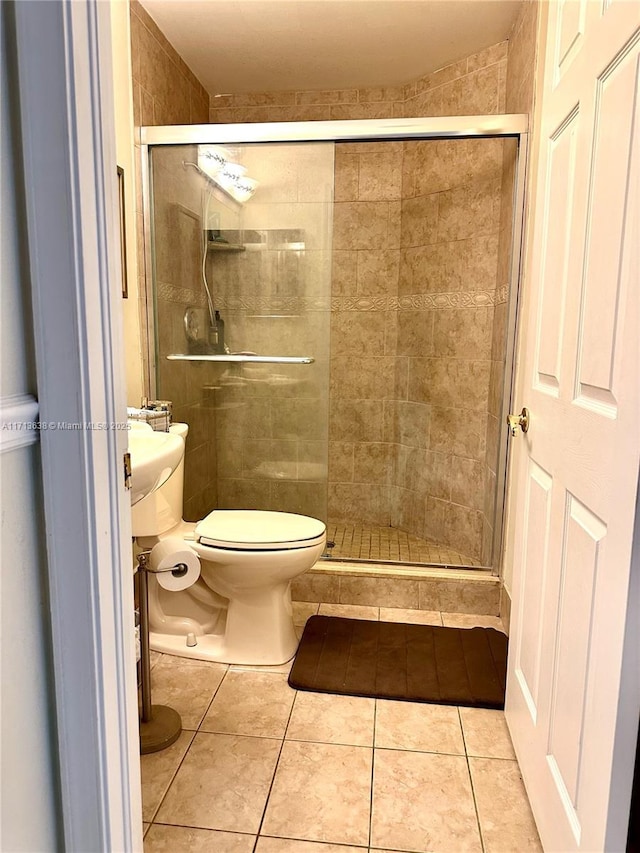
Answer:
(241, 254)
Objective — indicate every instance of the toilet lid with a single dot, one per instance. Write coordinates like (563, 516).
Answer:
(259, 530)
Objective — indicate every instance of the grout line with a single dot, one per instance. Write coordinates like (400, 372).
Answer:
(179, 765)
(275, 770)
(473, 792)
(373, 763)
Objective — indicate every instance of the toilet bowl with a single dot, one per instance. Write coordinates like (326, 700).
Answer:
(239, 610)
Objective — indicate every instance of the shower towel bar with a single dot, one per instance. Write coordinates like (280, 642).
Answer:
(240, 358)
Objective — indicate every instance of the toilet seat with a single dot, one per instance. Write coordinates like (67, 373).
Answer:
(258, 530)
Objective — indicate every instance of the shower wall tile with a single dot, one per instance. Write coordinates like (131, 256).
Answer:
(346, 174)
(377, 272)
(476, 93)
(450, 382)
(420, 220)
(364, 225)
(468, 211)
(411, 423)
(415, 334)
(372, 463)
(358, 333)
(360, 378)
(344, 275)
(468, 483)
(349, 501)
(341, 461)
(460, 432)
(463, 332)
(356, 420)
(380, 176)
(463, 529)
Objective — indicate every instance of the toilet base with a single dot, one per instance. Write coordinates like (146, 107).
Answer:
(213, 647)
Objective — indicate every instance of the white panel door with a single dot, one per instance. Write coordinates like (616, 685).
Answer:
(575, 479)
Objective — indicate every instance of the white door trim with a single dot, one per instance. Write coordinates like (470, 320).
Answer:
(67, 129)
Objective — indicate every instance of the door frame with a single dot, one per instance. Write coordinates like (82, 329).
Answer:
(67, 128)
(511, 125)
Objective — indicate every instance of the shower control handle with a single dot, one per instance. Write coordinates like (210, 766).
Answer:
(520, 421)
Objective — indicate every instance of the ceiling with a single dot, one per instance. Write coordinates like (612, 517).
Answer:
(235, 46)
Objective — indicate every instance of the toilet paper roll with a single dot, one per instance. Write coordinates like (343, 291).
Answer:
(168, 554)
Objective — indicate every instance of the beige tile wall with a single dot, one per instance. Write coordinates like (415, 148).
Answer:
(447, 284)
(165, 91)
(473, 86)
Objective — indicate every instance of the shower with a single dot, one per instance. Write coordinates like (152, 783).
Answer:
(367, 289)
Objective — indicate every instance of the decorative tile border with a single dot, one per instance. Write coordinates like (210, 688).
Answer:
(420, 301)
(303, 305)
(181, 295)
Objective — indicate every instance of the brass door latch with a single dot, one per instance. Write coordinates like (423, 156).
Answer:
(520, 421)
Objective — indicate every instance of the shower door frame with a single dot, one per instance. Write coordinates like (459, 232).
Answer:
(509, 126)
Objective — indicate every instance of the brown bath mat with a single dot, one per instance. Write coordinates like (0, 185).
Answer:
(393, 660)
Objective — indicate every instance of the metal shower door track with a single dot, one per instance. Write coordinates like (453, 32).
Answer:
(448, 127)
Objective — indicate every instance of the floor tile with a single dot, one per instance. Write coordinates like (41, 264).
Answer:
(251, 703)
(321, 792)
(418, 726)
(485, 733)
(145, 828)
(157, 770)
(505, 817)
(302, 610)
(186, 685)
(223, 783)
(288, 845)
(327, 718)
(349, 611)
(470, 620)
(423, 802)
(182, 839)
(416, 617)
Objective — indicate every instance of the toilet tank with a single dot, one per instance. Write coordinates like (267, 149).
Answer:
(161, 510)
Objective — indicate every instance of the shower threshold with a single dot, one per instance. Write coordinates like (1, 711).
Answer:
(368, 543)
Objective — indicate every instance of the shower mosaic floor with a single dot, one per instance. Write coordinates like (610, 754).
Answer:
(372, 542)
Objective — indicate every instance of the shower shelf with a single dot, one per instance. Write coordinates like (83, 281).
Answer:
(215, 246)
(240, 358)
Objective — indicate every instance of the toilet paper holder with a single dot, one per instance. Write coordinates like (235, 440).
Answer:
(160, 725)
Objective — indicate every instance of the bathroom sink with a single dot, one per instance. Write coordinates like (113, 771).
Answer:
(154, 457)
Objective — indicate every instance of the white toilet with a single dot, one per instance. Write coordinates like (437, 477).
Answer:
(239, 610)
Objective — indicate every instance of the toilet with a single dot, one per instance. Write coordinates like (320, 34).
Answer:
(239, 610)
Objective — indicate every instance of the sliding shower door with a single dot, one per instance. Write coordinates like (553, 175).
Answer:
(241, 253)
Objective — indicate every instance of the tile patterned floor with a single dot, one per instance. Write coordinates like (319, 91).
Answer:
(262, 768)
(371, 542)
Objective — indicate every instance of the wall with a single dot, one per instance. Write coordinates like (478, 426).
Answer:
(165, 92)
(29, 817)
(132, 310)
(472, 86)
